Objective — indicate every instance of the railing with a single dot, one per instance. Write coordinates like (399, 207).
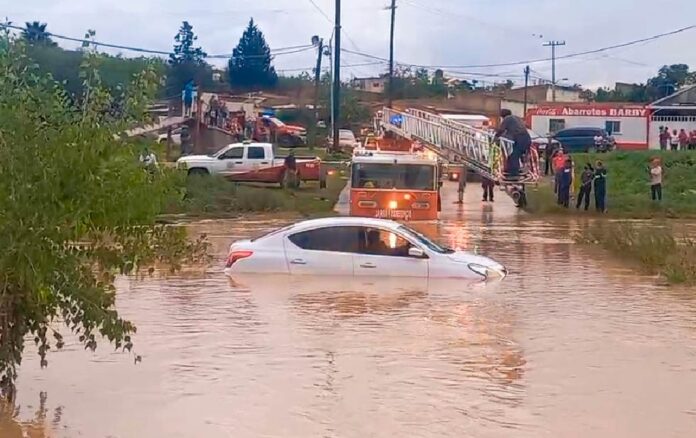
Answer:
(455, 141)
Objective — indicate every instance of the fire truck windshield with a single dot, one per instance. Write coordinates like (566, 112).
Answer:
(394, 176)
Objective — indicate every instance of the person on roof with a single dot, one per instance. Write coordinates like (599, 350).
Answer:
(513, 128)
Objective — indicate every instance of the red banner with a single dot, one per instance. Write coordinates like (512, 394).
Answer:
(590, 111)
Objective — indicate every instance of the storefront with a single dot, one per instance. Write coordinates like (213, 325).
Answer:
(628, 123)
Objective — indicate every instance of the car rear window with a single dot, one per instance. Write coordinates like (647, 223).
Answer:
(272, 233)
(332, 239)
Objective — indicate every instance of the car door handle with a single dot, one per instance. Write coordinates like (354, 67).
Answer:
(368, 266)
(239, 162)
(298, 262)
(264, 162)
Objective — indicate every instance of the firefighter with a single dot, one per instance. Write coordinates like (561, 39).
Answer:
(487, 184)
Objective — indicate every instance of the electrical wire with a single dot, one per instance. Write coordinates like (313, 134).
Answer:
(533, 61)
(326, 16)
(274, 52)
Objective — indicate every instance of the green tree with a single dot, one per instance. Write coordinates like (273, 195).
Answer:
(250, 66)
(76, 208)
(35, 33)
(187, 62)
(669, 78)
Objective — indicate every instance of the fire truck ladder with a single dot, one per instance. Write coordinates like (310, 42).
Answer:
(459, 143)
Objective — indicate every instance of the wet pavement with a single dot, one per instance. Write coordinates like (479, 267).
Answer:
(571, 344)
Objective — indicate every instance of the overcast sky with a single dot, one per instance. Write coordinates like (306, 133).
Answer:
(428, 32)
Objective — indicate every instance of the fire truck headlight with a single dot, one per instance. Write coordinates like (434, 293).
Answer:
(392, 205)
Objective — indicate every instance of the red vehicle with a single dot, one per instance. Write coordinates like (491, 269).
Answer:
(272, 130)
(394, 186)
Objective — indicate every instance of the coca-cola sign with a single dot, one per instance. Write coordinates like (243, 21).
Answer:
(590, 111)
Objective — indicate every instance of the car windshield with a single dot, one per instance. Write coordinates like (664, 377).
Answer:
(394, 176)
(420, 238)
(346, 135)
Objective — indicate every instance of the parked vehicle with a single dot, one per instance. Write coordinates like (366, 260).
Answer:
(542, 142)
(176, 137)
(352, 246)
(249, 162)
(272, 129)
(585, 140)
(346, 141)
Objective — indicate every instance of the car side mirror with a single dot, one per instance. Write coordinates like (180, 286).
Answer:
(416, 253)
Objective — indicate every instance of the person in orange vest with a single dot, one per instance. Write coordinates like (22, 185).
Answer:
(558, 161)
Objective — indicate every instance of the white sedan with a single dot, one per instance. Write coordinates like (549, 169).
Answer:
(352, 246)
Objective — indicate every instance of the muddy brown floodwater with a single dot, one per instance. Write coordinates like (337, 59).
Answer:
(571, 344)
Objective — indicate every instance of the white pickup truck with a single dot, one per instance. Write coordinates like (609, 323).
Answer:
(249, 162)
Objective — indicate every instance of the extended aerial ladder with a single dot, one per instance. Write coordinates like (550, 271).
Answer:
(458, 143)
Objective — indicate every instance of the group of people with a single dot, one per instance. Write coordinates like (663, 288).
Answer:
(592, 178)
(677, 140)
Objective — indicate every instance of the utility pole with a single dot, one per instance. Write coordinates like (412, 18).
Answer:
(526, 85)
(319, 42)
(391, 53)
(337, 76)
(553, 45)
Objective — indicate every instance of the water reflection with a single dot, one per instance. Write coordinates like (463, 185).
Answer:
(36, 424)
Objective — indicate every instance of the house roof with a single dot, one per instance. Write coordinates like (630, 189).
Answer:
(686, 97)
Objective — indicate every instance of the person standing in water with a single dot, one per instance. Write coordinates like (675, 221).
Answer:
(487, 185)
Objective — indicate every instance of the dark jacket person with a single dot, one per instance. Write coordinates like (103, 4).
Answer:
(513, 128)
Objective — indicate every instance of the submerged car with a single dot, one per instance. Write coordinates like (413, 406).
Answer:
(353, 246)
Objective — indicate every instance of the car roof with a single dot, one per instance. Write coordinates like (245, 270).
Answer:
(344, 221)
(583, 128)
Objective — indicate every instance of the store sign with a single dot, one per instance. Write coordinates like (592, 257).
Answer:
(589, 111)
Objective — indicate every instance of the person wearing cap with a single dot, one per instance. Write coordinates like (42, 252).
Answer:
(513, 128)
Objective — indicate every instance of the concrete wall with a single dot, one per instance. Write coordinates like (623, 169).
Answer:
(211, 140)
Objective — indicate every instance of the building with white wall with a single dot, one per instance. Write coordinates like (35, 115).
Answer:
(674, 112)
(628, 123)
(370, 85)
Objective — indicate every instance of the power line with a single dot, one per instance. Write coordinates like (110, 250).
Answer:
(325, 15)
(364, 64)
(533, 61)
(274, 52)
(320, 10)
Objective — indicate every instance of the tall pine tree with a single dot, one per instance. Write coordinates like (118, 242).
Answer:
(187, 63)
(250, 66)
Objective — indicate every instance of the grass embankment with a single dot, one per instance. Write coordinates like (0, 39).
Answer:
(215, 197)
(657, 250)
(628, 185)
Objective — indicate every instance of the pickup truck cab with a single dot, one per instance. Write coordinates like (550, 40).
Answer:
(249, 162)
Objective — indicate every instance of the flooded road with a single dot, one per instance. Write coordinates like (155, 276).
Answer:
(571, 344)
